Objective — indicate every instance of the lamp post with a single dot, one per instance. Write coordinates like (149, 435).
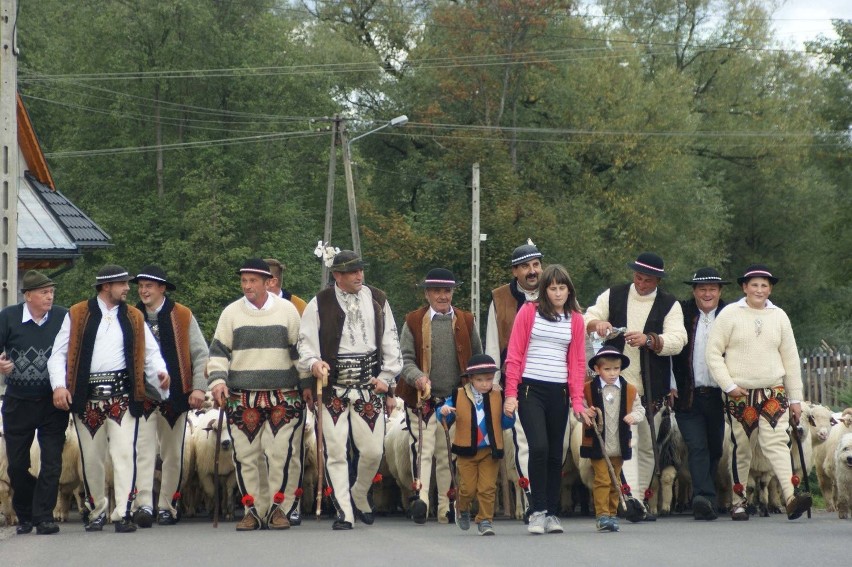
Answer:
(350, 184)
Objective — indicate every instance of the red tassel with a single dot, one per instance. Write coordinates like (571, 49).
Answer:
(278, 498)
(248, 500)
(327, 491)
(175, 496)
(738, 489)
(625, 488)
(795, 480)
(451, 494)
(524, 482)
(378, 478)
(299, 492)
(649, 494)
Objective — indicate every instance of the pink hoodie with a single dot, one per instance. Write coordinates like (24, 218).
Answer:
(519, 342)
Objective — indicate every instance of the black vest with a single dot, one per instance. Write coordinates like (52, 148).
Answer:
(178, 399)
(594, 450)
(660, 366)
(682, 362)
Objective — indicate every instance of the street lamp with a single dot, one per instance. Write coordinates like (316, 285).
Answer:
(350, 184)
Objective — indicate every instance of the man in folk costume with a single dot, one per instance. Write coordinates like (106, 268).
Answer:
(654, 322)
(104, 362)
(436, 342)
(162, 424)
(27, 332)
(252, 370)
(698, 405)
(506, 300)
(348, 333)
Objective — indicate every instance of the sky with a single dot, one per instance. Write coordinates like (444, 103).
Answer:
(798, 21)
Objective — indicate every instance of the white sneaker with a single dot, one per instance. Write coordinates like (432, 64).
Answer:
(537, 523)
(552, 525)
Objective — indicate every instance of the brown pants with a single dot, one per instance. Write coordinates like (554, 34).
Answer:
(478, 479)
(605, 494)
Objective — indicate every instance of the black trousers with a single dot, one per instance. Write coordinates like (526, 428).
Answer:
(703, 428)
(543, 411)
(34, 498)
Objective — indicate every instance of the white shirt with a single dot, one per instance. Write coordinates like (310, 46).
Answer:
(108, 351)
(699, 362)
(432, 312)
(266, 304)
(28, 316)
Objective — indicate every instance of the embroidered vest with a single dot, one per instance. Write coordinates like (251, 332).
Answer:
(464, 443)
(660, 366)
(590, 447)
(332, 319)
(173, 322)
(85, 318)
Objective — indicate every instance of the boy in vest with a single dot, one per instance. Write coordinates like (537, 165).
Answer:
(478, 441)
(620, 407)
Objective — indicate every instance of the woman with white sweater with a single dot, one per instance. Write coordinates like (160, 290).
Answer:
(752, 355)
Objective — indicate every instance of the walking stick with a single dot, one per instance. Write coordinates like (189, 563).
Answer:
(216, 499)
(633, 509)
(802, 460)
(321, 381)
(649, 413)
(454, 485)
(417, 483)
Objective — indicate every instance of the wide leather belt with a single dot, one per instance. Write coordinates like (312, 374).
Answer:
(708, 391)
(105, 385)
(356, 370)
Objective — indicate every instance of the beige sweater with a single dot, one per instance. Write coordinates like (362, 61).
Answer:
(754, 348)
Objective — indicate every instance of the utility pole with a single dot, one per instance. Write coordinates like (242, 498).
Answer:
(329, 196)
(9, 168)
(474, 247)
(350, 192)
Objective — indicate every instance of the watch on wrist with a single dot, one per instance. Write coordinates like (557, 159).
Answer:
(649, 341)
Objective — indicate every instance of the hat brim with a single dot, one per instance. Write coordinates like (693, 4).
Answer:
(645, 270)
(112, 280)
(169, 286)
(700, 282)
(39, 286)
(439, 284)
(625, 361)
(772, 279)
(349, 267)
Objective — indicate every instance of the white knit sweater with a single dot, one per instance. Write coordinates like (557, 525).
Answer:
(754, 348)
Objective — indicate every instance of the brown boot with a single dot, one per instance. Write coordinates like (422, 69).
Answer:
(248, 523)
(278, 521)
(798, 505)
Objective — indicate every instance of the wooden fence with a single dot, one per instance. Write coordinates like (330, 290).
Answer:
(827, 375)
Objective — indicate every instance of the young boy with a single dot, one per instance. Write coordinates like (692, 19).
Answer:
(479, 448)
(620, 407)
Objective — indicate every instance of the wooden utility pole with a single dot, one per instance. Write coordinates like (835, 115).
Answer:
(474, 247)
(350, 192)
(9, 174)
(329, 196)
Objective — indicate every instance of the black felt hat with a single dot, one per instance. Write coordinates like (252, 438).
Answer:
(439, 277)
(609, 351)
(347, 261)
(706, 276)
(111, 273)
(525, 253)
(155, 274)
(480, 364)
(35, 280)
(649, 264)
(757, 271)
(255, 266)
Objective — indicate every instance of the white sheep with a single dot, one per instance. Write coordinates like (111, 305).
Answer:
(826, 470)
(204, 441)
(843, 475)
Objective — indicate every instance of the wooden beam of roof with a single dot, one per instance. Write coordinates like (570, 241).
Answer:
(27, 140)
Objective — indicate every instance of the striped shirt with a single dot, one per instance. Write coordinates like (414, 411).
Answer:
(548, 350)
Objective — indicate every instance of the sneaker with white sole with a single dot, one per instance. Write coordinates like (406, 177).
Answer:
(538, 520)
(485, 528)
(552, 525)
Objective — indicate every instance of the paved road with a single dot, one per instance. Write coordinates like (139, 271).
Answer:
(823, 540)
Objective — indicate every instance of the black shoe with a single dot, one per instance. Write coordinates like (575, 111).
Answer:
(341, 525)
(165, 518)
(96, 525)
(125, 526)
(296, 517)
(418, 511)
(46, 528)
(24, 528)
(649, 517)
(702, 509)
(365, 517)
(144, 517)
